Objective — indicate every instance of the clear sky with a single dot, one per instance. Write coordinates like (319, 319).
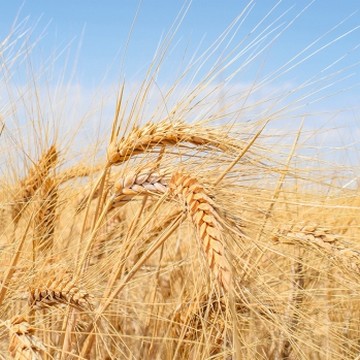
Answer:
(102, 28)
(97, 32)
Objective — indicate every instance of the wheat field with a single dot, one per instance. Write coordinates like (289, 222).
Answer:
(196, 232)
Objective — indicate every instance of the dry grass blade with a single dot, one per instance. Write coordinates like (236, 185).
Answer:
(154, 232)
(144, 139)
(91, 195)
(33, 181)
(207, 222)
(23, 344)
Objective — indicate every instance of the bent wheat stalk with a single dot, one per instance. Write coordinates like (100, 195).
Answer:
(199, 205)
(78, 171)
(144, 139)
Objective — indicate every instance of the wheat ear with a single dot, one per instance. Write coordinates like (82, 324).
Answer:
(144, 139)
(60, 289)
(322, 239)
(45, 216)
(33, 181)
(207, 222)
(23, 344)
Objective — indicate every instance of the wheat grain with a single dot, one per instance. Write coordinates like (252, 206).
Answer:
(200, 207)
(141, 182)
(323, 239)
(78, 171)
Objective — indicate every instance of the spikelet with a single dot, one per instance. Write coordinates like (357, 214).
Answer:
(45, 216)
(59, 289)
(23, 344)
(207, 222)
(146, 181)
(140, 140)
(33, 181)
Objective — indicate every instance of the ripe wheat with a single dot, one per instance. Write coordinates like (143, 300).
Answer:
(32, 182)
(45, 215)
(144, 139)
(59, 289)
(203, 214)
(23, 344)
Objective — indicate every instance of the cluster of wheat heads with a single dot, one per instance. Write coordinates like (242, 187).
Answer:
(187, 238)
(151, 256)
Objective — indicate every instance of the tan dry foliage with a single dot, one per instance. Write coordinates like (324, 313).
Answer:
(23, 344)
(203, 318)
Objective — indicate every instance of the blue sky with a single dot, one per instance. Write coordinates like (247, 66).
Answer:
(94, 34)
(100, 28)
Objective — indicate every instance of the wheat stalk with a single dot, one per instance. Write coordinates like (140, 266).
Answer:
(203, 213)
(92, 195)
(33, 181)
(23, 344)
(60, 289)
(144, 139)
